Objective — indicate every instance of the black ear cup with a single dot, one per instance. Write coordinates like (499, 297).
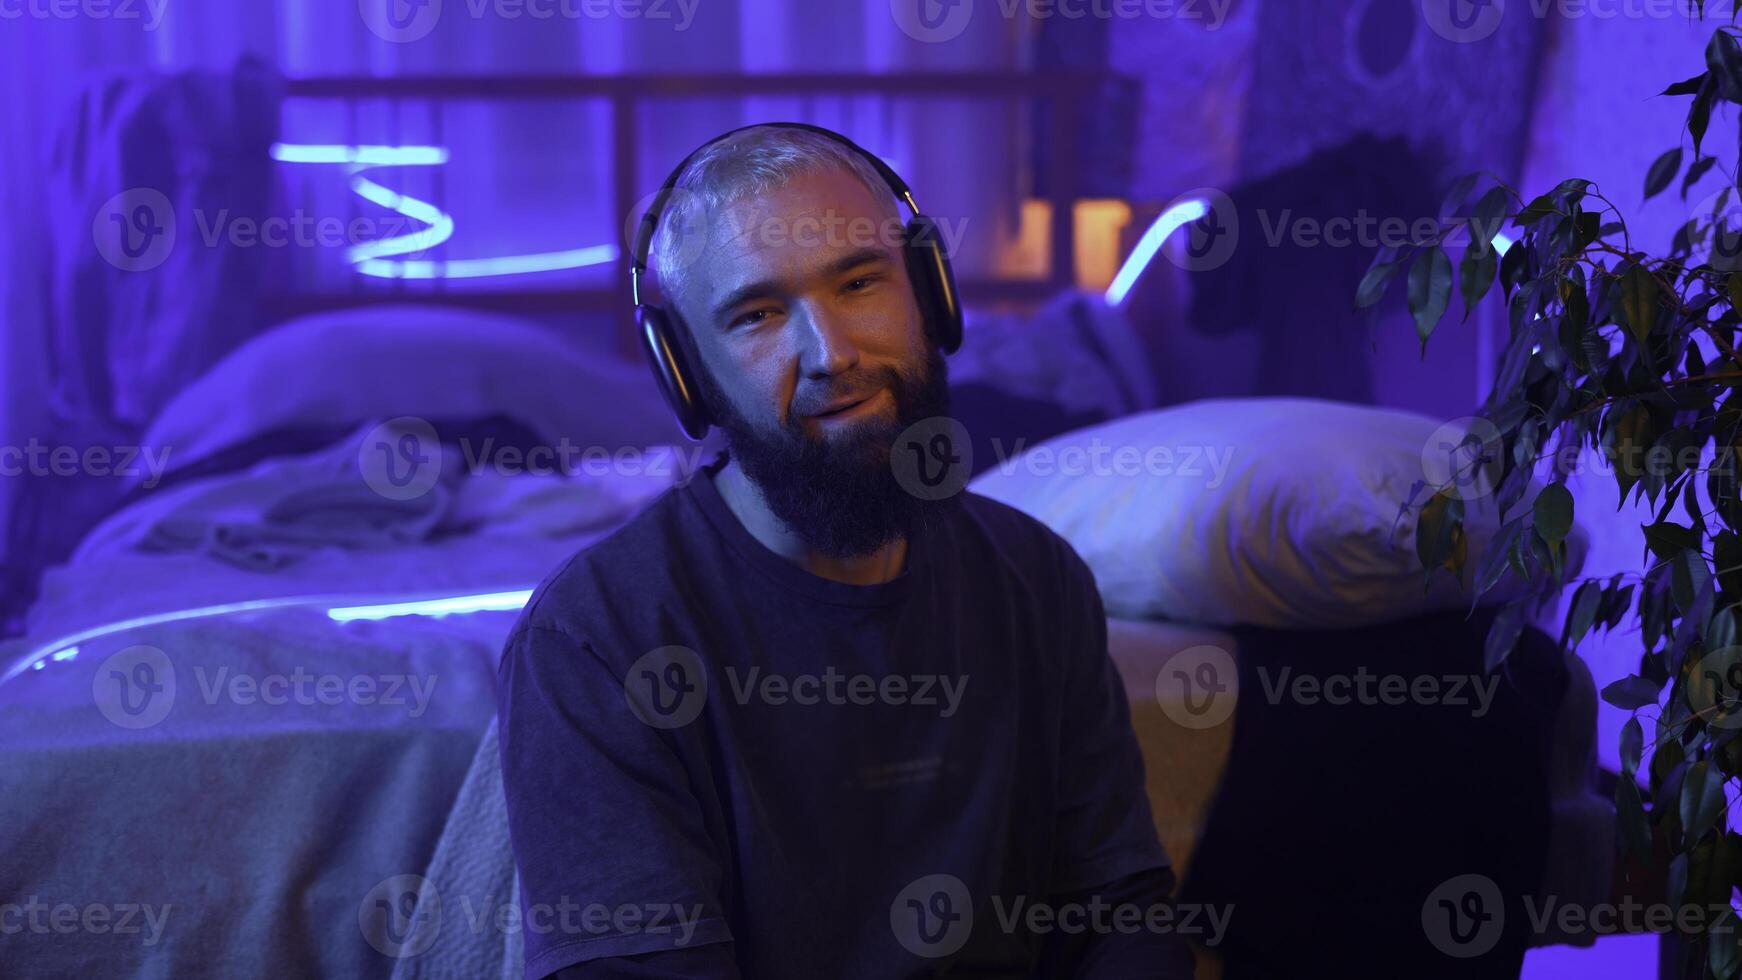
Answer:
(928, 266)
(665, 355)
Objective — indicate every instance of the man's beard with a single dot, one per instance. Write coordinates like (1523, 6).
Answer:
(839, 495)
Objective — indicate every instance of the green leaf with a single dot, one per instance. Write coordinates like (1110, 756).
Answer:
(1476, 274)
(1537, 210)
(1430, 290)
(1724, 61)
(1631, 692)
(1514, 267)
(1554, 512)
(1695, 172)
(1630, 815)
(1372, 288)
(1632, 747)
(1493, 564)
(1721, 631)
(1439, 531)
(1663, 170)
(1625, 442)
(1639, 301)
(1723, 954)
(1503, 635)
(1582, 613)
(1489, 216)
(1667, 539)
(1700, 113)
(1701, 798)
(1688, 86)
(1454, 200)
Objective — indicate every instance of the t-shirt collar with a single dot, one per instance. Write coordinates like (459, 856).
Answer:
(789, 574)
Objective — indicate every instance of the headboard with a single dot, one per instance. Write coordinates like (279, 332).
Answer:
(1051, 136)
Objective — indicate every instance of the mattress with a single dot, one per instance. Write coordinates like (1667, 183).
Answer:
(1182, 762)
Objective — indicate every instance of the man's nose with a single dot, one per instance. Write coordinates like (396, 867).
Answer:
(828, 343)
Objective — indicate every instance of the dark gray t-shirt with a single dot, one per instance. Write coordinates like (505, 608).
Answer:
(703, 744)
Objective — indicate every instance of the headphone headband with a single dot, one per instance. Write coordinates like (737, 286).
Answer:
(643, 244)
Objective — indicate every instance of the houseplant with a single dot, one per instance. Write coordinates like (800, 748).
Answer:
(1633, 355)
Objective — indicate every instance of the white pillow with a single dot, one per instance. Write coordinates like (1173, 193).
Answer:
(1276, 512)
(375, 363)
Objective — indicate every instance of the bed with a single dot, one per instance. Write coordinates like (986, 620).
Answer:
(256, 706)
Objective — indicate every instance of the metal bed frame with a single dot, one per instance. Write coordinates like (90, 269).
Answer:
(1062, 143)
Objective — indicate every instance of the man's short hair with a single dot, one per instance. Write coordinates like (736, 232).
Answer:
(752, 161)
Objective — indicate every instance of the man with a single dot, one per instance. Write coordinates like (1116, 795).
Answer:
(802, 718)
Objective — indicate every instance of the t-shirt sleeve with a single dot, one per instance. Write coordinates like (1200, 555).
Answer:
(608, 835)
(1105, 830)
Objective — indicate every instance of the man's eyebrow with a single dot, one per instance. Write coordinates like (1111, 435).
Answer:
(764, 287)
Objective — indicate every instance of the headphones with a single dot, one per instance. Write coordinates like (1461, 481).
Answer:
(928, 266)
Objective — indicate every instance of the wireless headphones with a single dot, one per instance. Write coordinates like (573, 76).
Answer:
(928, 266)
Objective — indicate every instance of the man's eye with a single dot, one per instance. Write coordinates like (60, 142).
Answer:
(752, 318)
(862, 283)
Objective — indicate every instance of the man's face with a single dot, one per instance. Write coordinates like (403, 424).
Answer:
(814, 354)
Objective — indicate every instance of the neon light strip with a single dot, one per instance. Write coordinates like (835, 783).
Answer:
(67, 647)
(372, 156)
(1170, 221)
(36, 658)
(488, 602)
(507, 265)
(441, 227)
(374, 258)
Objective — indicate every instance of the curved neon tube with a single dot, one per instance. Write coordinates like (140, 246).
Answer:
(1165, 225)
